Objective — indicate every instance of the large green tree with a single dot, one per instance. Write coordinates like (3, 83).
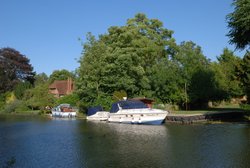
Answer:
(142, 59)
(167, 82)
(190, 59)
(123, 58)
(227, 77)
(245, 75)
(91, 70)
(14, 67)
(192, 62)
(202, 88)
(238, 23)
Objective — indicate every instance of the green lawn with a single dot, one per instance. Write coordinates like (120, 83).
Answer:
(224, 108)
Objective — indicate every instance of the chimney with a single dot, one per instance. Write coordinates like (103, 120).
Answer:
(69, 85)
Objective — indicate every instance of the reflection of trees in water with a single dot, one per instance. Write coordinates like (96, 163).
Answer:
(10, 163)
(124, 145)
(198, 145)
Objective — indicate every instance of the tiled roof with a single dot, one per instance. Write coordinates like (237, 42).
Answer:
(62, 86)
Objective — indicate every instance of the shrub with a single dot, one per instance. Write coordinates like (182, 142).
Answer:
(72, 99)
(11, 107)
(82, 107)
(22, 107)
(16, 106)
(245, 107)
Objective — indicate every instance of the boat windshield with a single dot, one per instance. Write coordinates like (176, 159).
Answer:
(93, 110)
(128, 104)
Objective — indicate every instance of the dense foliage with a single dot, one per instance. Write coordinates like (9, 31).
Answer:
(238, 22)
(227, 75)
(14, 68)
(60, 75)
(123, 58)
(38, 97)
(245, 75)
(142, 59)
(139, 59)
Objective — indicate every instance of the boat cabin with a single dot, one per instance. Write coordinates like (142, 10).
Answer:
(147, 101)
(127, 104)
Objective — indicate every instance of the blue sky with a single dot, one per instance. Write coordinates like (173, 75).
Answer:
(47, 31)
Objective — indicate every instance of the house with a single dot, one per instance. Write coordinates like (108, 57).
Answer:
(61, 88)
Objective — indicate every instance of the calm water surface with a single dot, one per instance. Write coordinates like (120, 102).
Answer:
(43, 143)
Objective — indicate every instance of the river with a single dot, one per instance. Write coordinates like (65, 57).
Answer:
(38, 142)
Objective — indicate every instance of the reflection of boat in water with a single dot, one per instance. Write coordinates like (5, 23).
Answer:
(128, 111)
(63, 110)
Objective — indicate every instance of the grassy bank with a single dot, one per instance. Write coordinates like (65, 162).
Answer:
(32, 112)
(219, 109)
(81, 116)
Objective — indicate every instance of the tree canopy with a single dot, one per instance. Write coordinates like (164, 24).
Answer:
(123, 58)
(238, 23)
(60, 75)
(245, 75)
(227, 74)
(14, 68)
(41, 78)
(142, 59)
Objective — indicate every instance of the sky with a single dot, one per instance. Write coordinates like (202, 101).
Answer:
(48, 31)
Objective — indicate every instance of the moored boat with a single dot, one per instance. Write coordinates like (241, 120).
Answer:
(97, 113)
(63, 110)
(130, 111)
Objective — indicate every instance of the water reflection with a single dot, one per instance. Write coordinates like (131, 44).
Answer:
(121, 145)
(220, 145)
(124, 145)
(78, 143)
(39, 143)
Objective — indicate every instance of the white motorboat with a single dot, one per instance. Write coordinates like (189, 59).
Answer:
(63, 110)
(97, 113)
(129, 111)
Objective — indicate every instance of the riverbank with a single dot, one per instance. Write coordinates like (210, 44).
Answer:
(37, 113)
(188, 117)
(24, 113)
(229, 116)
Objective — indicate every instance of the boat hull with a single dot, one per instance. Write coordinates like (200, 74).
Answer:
(131, 118)
(63, 114)
(99, 116)
(154, 119)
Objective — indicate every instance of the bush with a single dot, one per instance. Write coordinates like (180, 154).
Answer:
(11, 107)
(245, 107)
(105, 101)
(16, 106)
(20, 89)
(72, 99)
(2, 102)
(22, 107)
(2, 106)
(82, 107)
